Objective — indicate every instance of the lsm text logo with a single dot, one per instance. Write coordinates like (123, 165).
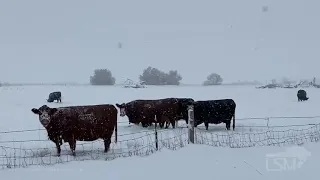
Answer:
(291, 159)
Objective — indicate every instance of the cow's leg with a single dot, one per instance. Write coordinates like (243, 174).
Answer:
(234, 122)
(107, 143)
(228, 123)
(58, 145)
(72, 145)
(144, 124)
(162, 121)
(173, 124)
(167, 124)
(207, 125)
(165, 121)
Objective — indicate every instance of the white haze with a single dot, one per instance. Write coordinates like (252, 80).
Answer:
(64, 41)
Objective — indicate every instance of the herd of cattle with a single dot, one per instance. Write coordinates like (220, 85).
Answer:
(92, 122)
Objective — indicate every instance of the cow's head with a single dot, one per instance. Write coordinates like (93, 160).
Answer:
(122, 108)
(49, 100)
(45, 113)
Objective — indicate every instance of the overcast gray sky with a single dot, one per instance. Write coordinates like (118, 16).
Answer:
(65, 40)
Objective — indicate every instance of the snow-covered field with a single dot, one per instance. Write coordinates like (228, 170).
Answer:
(191, 162)
(254, 127)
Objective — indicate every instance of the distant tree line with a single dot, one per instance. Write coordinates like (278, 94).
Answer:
(102, 77)
(151, 76)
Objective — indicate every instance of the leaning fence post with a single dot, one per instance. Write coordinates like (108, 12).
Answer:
(191, 124)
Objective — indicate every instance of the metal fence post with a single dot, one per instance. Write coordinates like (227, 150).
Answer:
(156, 133)
(190, 124)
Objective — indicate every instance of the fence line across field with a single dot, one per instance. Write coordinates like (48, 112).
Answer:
(237, 119)
(142, 146)
(13, 157)
(147, 142)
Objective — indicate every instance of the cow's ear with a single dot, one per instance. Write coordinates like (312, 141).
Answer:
(35, 111)
(53, 110)
(118, 105)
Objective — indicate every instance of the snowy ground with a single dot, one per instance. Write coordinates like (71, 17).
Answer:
(16, 115)
(192, 162)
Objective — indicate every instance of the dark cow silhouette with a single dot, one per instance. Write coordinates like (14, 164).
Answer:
(302, 95)
(82, 123)
(214, 112)
(141, 111)
(163, 111)
(182, 112)
(54, 96)
(136, 111)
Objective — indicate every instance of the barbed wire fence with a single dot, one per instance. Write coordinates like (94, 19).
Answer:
(28, 152)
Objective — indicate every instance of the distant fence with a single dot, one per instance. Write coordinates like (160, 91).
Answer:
(17, 154)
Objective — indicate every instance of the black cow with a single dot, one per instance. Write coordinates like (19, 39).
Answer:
(214, 112)
(54, 96)
(302, 95)
(145, 111)
(134, 110)
(182, 111)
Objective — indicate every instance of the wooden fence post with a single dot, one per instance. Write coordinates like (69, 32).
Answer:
(191, 124)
